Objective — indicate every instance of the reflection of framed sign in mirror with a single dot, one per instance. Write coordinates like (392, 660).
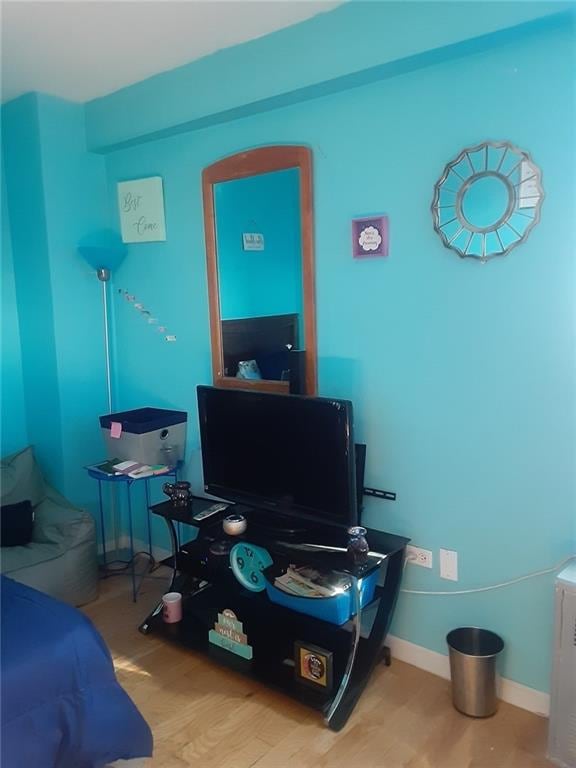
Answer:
(487, 200)
(253, 241)
(141, 208)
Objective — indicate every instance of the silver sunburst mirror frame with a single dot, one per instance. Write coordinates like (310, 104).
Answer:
(487, 200)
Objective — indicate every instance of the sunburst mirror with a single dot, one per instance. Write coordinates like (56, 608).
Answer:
(487, 200)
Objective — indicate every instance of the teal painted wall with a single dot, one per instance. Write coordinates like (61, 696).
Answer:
(75, 204)
(268, 282)
(333, 54)
(14, 432)
(462, 375)
(56, 195)
(23, 168)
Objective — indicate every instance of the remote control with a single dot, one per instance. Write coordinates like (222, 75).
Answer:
(210, 511)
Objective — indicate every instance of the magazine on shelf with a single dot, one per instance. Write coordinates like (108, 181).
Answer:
(305, 581)
(106, 467)
(132, 469)
(136, 470)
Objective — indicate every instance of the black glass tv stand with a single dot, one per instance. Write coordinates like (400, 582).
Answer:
(267, 641)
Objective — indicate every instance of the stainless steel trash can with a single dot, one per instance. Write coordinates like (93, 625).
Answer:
(473, 653)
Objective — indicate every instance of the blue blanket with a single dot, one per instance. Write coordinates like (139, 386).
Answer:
(62, 706)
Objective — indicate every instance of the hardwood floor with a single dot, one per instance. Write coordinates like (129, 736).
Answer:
(208, 717)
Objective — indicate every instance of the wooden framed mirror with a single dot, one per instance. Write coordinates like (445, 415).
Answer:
(258, 223)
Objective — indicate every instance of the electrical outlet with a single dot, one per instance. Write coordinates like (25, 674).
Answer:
(419, 556)
(449, 564)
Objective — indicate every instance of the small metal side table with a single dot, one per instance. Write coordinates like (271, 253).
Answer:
(128, 482)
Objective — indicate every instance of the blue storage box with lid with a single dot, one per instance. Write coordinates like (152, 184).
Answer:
(336, 610)
(147, 435)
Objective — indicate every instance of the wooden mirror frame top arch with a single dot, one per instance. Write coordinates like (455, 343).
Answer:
(251, 163)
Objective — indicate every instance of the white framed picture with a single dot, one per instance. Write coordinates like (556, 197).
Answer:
(141, 208)
(252, 241)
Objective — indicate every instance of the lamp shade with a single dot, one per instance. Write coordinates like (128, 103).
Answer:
(103, 249)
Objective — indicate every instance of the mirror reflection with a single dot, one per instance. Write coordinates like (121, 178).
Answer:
(487, 200)
(259, 261)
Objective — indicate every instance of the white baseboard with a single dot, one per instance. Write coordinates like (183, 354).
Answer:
(437, 663)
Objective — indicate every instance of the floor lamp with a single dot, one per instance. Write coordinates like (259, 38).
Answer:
(104, 251)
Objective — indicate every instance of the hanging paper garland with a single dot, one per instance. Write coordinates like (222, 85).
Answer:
(131, 299)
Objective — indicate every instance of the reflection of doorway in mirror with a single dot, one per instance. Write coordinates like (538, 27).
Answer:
(259, 276)
(486, 201)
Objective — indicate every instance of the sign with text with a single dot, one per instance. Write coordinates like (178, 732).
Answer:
(229, 634)
(141, 207)
(253, 241)
(370, 236)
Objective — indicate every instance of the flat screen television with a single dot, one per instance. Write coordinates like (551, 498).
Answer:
(289, 455)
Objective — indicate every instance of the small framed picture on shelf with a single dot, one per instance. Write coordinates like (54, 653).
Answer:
(370, 237)
(313, 665)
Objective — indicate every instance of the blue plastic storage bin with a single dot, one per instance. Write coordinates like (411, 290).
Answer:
(335, 610)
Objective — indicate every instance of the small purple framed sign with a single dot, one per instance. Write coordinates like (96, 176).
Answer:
(370, 237)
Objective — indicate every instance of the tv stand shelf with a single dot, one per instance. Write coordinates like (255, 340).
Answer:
(271, 630)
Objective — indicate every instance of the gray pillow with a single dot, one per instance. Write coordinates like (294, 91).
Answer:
(21, 479)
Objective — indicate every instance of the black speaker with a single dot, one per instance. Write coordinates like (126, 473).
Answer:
(297, 367)
(360, 451)
(284, 365)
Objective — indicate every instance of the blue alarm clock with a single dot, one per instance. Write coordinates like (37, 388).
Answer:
(247, 562)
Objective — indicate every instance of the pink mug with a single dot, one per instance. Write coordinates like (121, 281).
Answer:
(172, 607)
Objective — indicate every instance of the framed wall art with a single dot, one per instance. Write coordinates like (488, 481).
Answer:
(141, 209)
(313, 665)
(370, 237)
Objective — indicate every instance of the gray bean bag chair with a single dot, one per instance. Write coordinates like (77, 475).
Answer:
(61, 558)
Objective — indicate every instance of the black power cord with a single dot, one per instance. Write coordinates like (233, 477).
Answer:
(123, 567)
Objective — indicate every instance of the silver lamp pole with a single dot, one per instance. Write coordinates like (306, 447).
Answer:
(104, 276)
(104, 251)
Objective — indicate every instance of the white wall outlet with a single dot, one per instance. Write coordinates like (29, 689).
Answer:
(419, 556)
(449, 564)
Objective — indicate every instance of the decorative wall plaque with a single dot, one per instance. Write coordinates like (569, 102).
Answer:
(370, 237)
(141, 208)
(229, 634)
(313, 665)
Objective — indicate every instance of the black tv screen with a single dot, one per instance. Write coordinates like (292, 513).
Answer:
(284, 453)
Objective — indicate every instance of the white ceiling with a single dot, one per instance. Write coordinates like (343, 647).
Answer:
(83, 49)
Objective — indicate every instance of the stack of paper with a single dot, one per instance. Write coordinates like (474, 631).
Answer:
(308, 582)
(106, 467)
(137, 470)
